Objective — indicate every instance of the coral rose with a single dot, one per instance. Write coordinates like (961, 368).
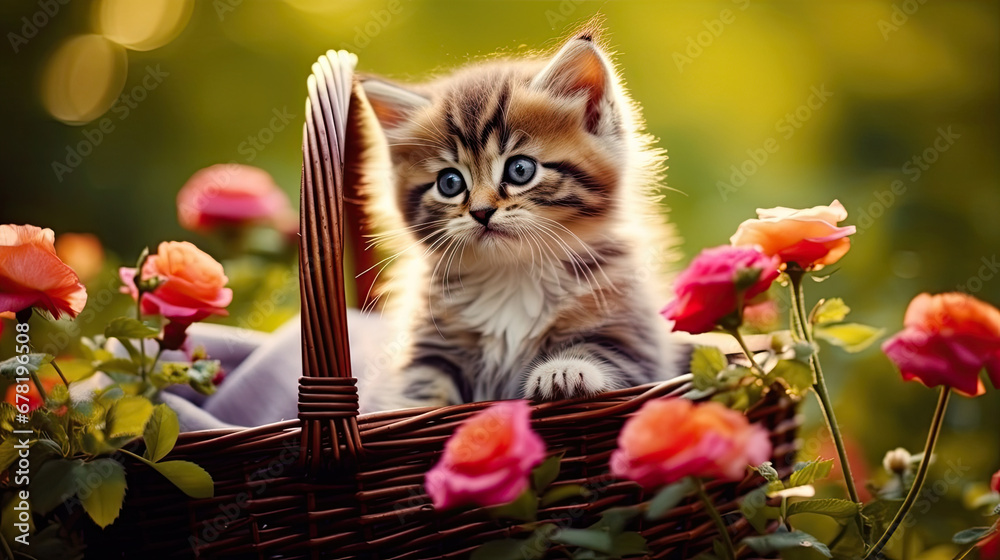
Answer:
(233, 195)
(82, 252)
(947, 340)
(32, 275)
(995, 482)
(489, 458)
(34, 397)
(809, 238)
(670, 439)
(989, 548)
(707, 289)
(192, 283)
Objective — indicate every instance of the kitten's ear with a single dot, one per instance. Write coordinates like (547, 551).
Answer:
(578, 68)
(393, 104)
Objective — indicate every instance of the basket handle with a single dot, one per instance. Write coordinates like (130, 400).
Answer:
(328, 396)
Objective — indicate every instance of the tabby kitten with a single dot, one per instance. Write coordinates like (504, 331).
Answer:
(524, 188)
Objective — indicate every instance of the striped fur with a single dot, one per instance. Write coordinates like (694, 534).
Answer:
(554, 296)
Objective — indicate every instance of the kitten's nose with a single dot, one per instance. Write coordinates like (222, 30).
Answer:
(483, 216)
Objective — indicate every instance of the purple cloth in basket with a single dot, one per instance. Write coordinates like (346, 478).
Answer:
(263, 369)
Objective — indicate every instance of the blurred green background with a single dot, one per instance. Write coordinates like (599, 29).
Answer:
(890, 107)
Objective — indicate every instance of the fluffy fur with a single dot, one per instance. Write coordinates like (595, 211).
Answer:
(556, 295)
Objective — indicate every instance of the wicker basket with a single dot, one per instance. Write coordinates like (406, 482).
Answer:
(333, 484)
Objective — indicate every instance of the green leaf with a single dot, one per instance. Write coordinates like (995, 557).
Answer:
(171, 373)
(507, 549)
(667, 498)
(127, 327)
(48, 425)
(830, 507)
(186, 476)
(767, 471)
(102, 490)
(119, 365)
(56, 481)
(592, 539)
(706, 363)
(547, 472)
(523, 508)
(972, 535)
(832, 310)
(615, 519)
(7, 453)
(128, 416)
(23, 365)
(852, 337)
(160, 433)
(563, 492)
(795, 375)
(627, 544)
(755, 509)
(807, 473)
(783, 540)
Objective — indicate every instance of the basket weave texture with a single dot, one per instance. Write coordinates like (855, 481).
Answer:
(333, 484)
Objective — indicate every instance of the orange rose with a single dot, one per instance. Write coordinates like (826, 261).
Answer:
(82, 252)
(488, 460)
(670, 439)
(948, 339)
(33, 396)
(233, 195)
(809, 237)
(31, 275)
(193, 284)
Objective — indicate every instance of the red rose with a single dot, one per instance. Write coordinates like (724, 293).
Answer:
(948, 339)
(707, 290)
(32, 275)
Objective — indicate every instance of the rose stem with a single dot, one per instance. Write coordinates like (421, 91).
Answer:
(822, 393)
(746, 351)
(59, 371)
(919, 478)
(727, 542)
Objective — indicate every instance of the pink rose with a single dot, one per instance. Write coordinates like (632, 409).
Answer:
(670, 439)
(192, 288)
(489, 458)
(948, 339)
(995, 482)
(707, 289)
(32, 275)
(233, 195)
(809, 238)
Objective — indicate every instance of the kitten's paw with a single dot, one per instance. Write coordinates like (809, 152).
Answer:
(563, 378)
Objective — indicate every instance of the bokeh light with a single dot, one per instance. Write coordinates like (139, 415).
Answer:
(83, 78)
(142, 25)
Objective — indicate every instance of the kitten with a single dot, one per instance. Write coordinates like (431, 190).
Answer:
(527, 186)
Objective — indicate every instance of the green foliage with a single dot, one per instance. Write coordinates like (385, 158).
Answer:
(783, 540)
(972, 535)
(127, 327)
(668, 497)
(852, 337)
(160, 433)
(23, 365)
(832, 310)
(543, 475)
(128, 416)
(523, 508)
(563, 492)
(797, 377)
(807, 473)
(706, 363)
(830, 507)
(105, 482)
(186, 476)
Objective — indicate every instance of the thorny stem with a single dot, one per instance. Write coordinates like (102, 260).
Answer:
(919, 478)
(819, 387)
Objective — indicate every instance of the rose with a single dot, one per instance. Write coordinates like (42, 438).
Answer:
(32, 275)
(33, 396)
(233, 195)
(488, 460)
(670, 439)
(989, 548)
(82, 252)
(809, 238)
(995, 482)
(192, 283)
(947, 340)
(707, 290)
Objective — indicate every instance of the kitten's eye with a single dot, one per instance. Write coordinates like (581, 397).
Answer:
(520, 170)
(450, 182)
